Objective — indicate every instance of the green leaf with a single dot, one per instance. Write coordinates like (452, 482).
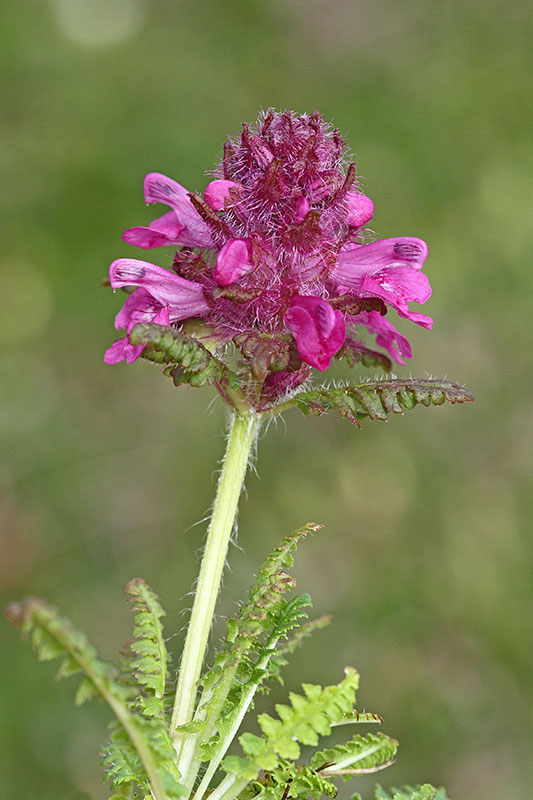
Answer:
(357, 756)
(145, 660)
(424, 792)
(306, 718)
(187, 360)
(292, 781)
(53, 637)
(355, 352)
(296, 639)
(140, 751)
(122, 763)
(243, 661)
(379, 398)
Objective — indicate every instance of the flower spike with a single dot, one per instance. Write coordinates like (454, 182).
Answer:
(273, 252)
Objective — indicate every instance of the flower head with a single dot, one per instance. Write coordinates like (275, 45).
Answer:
(272, 256)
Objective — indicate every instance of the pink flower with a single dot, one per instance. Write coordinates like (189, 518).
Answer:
(274, 251)
(181, 226)
(319, 331)
(388, 269)
(233, 261)
(163, 298)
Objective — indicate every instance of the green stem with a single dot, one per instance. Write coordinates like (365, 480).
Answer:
(229, 788)
(240, 440)
(139, 743)
(270, 649)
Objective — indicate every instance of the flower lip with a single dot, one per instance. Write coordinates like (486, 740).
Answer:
(355, 261)
(194, 231)
(233, 261)
(217, 192)
(318, 330)
(161, 232)
(184, 298)
(360, 209)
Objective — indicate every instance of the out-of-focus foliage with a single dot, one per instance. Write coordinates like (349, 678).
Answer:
(425, 559)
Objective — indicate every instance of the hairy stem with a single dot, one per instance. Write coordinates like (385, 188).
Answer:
(246, 701)
(142, 747)
(240, 440)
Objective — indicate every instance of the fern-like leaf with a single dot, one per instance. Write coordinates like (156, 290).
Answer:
(424, 792)
(291, 781)
(124, 768)
(266, 615)
(244, 662)
(141, 751)
(303, 721)
(296, 639)
(377, 399)
(359, 755)
(54, 637)
(187, 360)
(355, 352)
(145, 659)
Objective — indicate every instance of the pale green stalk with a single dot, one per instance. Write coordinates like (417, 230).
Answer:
(240, 440)
(225, 743)
(229, 788)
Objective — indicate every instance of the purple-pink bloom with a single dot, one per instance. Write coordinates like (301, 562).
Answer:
(217, 192)
(360, 209)
(139, 307)
(388, 337)
(389, 269)
(181, 226)
(319, 331)
(233, 261)
(274, 250)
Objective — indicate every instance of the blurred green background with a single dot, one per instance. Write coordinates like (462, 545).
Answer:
(425, 559)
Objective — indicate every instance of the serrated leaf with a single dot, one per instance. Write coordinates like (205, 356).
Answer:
(187, 360)
(85, 691)
(242, 664)
(423, 792)
(377, 399)
(53, 637)
(140, 749)
(355, 352)
(302, 721)
(144, 662)
(358, 755)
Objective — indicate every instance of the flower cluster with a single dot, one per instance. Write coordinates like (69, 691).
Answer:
(272, 256)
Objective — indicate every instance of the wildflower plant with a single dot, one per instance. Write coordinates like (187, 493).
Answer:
(275, 276)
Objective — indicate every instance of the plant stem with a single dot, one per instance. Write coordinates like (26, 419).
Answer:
(138, 740)
(270, 649)
(240, 439)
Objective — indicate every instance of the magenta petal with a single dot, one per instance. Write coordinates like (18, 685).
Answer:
(162, 317)
(397, 286)
(164, 231)
(145, 238)
(160, 189)
(420, 319)
(184, 298)
(387, 337)
(122, 350)
(233, 260)
(217, 192)
(319, 331)
(139, 307)
(302, 208)
(360, 209)
(356, 261)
